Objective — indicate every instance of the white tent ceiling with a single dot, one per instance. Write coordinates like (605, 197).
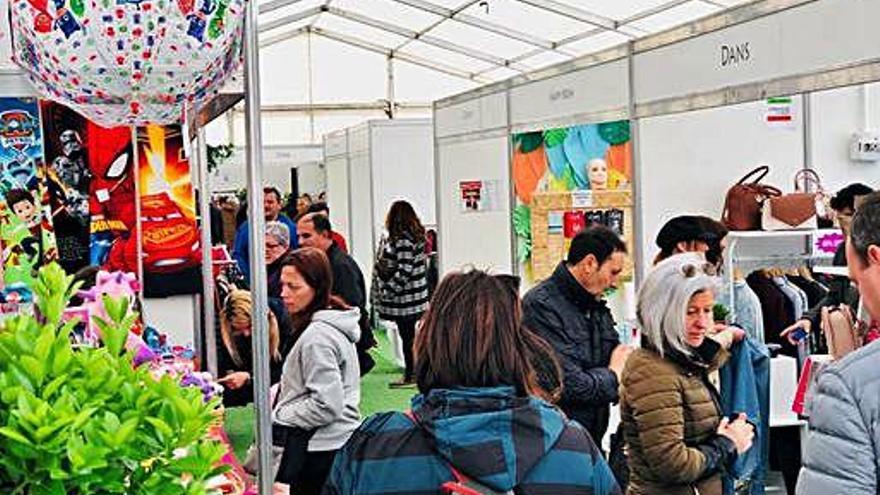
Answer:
(329, 64)
(478, 40)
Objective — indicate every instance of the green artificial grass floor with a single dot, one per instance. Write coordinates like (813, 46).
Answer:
(375, 397)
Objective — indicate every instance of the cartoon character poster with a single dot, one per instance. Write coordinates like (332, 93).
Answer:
(171, 240)
(113, 231)
(25, 227)
(67, 180)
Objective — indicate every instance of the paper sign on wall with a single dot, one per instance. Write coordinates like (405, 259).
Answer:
(479, 195)
(582, 199)
(779, 113)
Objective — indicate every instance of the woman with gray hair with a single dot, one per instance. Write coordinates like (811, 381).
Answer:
(277, 245)
(678, 442)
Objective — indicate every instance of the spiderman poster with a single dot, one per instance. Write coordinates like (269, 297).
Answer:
(25, 223)
(113, 222)
(171, 241)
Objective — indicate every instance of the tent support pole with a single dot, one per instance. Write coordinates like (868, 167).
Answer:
(256, 238)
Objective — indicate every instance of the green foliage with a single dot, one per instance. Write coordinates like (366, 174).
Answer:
(86, 421)
(217, 155)
(720, 312)
(522, 225)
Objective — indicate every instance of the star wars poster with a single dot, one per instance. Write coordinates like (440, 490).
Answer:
(25, 226)
(67, 180)
(113, 223)
(171, 240)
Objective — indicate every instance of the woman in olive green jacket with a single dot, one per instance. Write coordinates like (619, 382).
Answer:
(677, 441)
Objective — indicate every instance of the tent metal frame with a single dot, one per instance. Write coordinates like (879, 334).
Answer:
(594, 24)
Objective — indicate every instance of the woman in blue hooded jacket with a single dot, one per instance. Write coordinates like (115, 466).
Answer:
(481, 423)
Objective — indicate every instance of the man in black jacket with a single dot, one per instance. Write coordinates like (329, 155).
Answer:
(316, 231)
(568, 311)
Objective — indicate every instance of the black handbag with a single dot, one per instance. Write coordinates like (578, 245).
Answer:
(295, 442)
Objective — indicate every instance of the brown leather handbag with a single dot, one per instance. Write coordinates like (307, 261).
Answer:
(795, 211)
(742, 206)
(841, 330)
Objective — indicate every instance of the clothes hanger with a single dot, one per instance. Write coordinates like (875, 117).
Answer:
(738, 274)
(805, 272)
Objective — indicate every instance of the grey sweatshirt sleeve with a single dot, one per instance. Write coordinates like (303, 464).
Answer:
(840, 452)
(325, 394)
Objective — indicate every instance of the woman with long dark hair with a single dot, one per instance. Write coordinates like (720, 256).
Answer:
(482, 422)
(317, 406)
(403, 284)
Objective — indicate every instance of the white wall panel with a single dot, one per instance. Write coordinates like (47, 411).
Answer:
(338, 193)
(335, 144)
(478, 239)
(403, 168)
(594, 89)
(836, 115)
(360, 239)
(358, 139)
(486, 112)
(689, 160)
(813, 37)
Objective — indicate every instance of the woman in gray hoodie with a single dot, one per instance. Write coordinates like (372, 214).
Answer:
(320, 383)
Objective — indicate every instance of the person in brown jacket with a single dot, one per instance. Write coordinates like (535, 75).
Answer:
(677, 441)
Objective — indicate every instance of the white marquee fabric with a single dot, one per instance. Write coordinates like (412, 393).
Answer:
(325, 62)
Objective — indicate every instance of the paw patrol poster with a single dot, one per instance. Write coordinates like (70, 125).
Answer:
(67, 180)
(25, 226)
(171, 240)
(113, 230)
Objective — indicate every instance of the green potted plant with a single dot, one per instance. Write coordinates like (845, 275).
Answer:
(86, 421)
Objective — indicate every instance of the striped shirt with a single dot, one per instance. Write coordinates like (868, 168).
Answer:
(403, 290)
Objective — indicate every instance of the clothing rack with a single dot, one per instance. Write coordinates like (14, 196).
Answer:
(738, 258)
(737, 239)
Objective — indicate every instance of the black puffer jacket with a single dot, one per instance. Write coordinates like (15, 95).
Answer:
(581, 330)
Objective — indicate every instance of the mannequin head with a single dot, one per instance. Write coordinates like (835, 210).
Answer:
(597, 172)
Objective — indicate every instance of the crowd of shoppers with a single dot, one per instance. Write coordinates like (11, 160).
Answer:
(513, 395)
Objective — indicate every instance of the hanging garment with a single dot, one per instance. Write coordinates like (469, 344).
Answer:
(528, 170)
(745, 388)
(749, 315)
(556, 160)
(797, 297)
(814, 290)
(582, 144)
(747, 309)
(776, 309)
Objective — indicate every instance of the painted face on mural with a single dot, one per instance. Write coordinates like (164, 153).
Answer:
(26, 211)
(597, 172)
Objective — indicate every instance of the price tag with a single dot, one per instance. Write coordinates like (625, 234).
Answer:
(582, 199)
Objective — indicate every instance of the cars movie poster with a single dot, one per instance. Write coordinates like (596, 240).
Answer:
(171, 240)
(113, 231)
(67, 180)
(25, 226)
